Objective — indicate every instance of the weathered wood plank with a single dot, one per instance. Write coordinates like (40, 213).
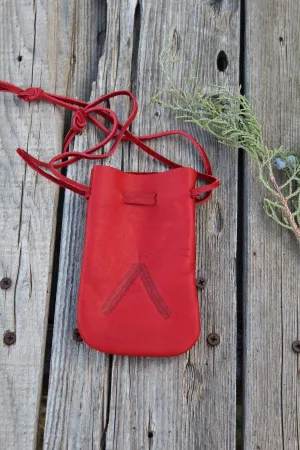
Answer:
(79, 377)
(189, 401)
(272, 255)
(28, 212)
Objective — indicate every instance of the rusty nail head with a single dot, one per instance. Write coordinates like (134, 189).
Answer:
(9, 337)
(5, 283)
(76, 335)
(296, 346)
(201, 282)
(213, 339)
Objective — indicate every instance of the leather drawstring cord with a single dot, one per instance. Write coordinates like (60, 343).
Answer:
(82, 112)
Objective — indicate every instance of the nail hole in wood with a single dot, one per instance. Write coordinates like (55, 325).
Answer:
(150, 434)
(281, 39)
(222, 61)
(20, 57)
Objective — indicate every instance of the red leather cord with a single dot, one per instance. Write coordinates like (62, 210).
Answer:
(83, 111)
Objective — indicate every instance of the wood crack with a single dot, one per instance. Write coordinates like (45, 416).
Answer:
(34, 40)
(134, 63)
(15, 289)
(109, 394)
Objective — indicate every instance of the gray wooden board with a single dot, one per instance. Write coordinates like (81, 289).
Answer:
(79, 377)
(28, 57)
(188, 401)
(171, 403)
(271, 253)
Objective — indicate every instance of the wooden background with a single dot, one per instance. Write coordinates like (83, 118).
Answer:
(244, 393)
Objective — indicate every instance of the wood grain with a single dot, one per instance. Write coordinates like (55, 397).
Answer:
(79, 378)
(271, 253)
(189, 401)
(132, 403)
(28, 212)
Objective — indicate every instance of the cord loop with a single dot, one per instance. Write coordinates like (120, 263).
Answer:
(84, 111)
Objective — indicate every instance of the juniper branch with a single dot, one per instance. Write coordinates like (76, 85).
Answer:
(230, 118)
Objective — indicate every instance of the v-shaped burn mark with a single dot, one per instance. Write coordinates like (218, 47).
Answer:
(124, 284)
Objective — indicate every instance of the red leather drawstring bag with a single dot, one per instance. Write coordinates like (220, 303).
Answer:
(137, 292)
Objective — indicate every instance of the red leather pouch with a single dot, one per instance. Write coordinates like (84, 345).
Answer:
(137, 291)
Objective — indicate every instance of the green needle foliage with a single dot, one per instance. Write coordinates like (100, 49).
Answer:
(229, 117)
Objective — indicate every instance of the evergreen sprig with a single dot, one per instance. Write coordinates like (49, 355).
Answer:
(229, 117)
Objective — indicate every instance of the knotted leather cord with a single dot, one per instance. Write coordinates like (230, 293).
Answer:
(83, 112)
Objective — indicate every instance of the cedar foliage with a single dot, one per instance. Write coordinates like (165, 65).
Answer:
(229, 117)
